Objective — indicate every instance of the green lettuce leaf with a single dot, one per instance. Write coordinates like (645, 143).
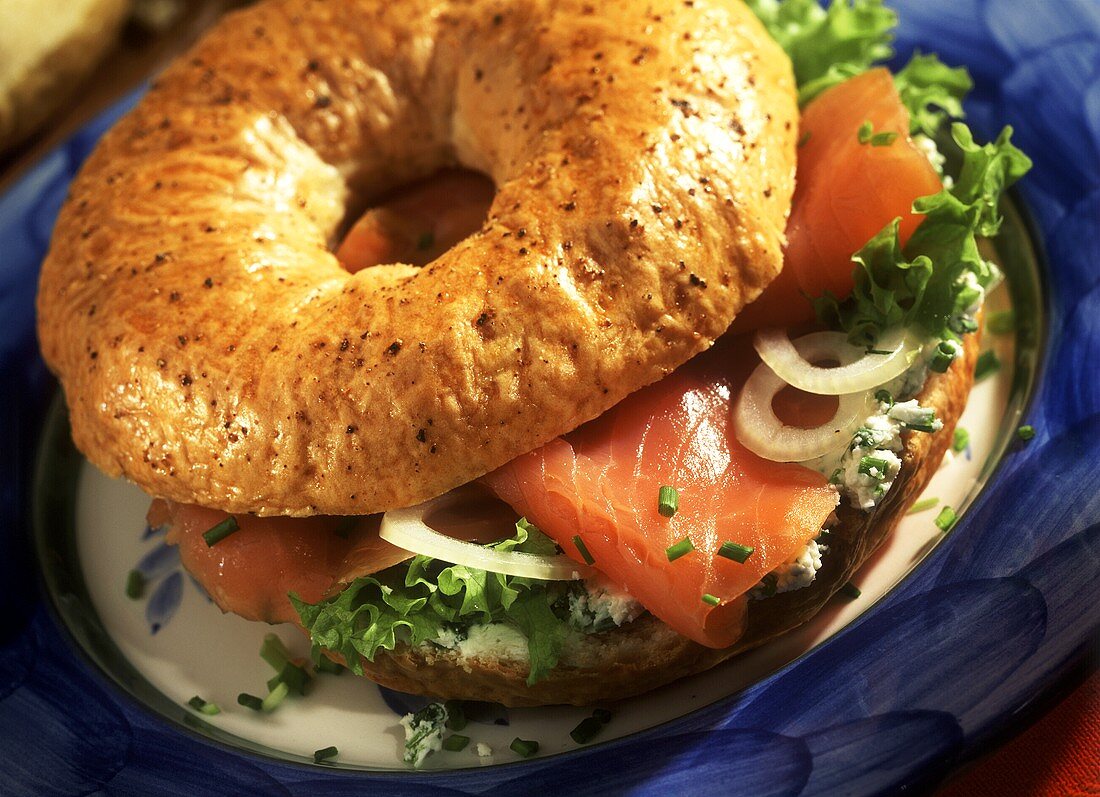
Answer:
(828, 45)
(414, 603)
(930, 284)
(932, 92)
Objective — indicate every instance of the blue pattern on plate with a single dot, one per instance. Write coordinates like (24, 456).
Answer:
(912, 688)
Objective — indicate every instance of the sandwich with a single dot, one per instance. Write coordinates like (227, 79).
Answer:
(722, 497)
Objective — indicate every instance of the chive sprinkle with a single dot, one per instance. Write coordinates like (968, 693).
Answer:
(586, 730)
(274, 652)
(987, 364)
(456, 715)
(961, 440)
(603, 715)
(1026, 432)
(879, 351)
(850, 591)
(805, 138)
(588, 560)
(711, 600)
(875, 467)
(883, 139)
(204, 707)
(1001, 323)
(946, 519)
(324, 754)
(250, 701)
(735, 551)
(668, 501)
(866, 130)
(884, 397)
(294, 676)
(683, 547)
(275, 697)
(922, 505)
(135, 584)
(455, 742)
(220, 531)
(943, 356)
(524, 747)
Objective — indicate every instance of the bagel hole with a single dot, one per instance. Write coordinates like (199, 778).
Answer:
(417, 222)
(804, 410)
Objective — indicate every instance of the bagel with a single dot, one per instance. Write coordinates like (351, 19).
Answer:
(212, 349)
(227, 339)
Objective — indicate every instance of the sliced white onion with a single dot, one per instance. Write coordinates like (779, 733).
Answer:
(858, 369)
(761, 431)
(406, 529)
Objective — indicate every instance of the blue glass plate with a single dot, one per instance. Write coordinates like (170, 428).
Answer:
(914, 687)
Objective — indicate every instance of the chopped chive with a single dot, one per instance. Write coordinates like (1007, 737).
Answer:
(850, 591)
(875, 467)
(805, 138)
(668, 501)
(1001, 323)
(135, 584)
(588, 560)
(220, 531)
(711, 600)
(455, 742)
(425, 241)
(768, 585)
(324, 754)
(293, 675)
(456, 715)
(524, 747)
(602, 714)
(325, 664)
(275, 697)
(250, 701)
(274, 652)
(1026, 432)
(879, 351)
(835, 477)
(946, 519)
(204, 707)
(735, 551)
(884, 397)
(945, 354)
(987, 364)
(866, 130)
(683, 547)
(922, 505)
(586, 730)
(963, 324)
(884, 139)
(915, 426)
(961, 440)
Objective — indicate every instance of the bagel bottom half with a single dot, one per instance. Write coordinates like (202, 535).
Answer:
(645, 654)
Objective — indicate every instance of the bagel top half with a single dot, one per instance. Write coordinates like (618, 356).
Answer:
(213, 350)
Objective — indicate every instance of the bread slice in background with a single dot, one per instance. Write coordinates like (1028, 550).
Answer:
(46, 48)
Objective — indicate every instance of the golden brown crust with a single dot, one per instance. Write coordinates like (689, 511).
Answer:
(213, 351)
(646, 654)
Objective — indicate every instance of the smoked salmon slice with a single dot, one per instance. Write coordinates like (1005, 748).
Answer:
(601, 484)
(845, 193)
